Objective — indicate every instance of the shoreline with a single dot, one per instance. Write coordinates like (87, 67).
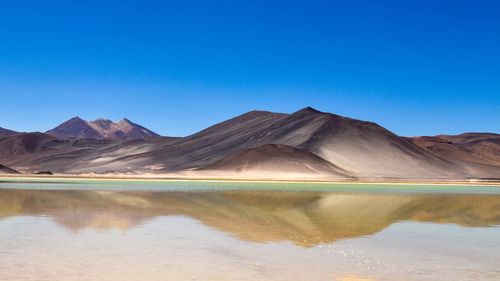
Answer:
(164, 178)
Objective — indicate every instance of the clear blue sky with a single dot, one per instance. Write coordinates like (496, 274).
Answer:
(418, 67)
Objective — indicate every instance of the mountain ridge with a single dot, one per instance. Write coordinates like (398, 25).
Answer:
(6, 132)
(363, 149)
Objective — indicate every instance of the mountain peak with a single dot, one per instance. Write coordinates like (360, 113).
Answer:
(74, 128)
(125, 123)
(125, 120)
(308, 110)
(101, 128)
(76, 119)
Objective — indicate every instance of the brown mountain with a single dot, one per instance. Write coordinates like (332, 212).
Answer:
(363, 148)
(77, 128)
(307, 142)
(20, 150)
(477, 153)
(20, 146)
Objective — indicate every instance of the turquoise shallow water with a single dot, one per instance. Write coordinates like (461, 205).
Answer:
(137, 185)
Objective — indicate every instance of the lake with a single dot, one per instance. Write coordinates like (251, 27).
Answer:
(192, 230)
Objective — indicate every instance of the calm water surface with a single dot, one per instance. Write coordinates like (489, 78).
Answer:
(102, 230)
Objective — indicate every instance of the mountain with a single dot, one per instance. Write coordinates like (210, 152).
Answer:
(477, 148)
(477, 153)
(20, 149)
(31, 152)
(77, 128)
(309, 143)
(364, 149)
(6, 132)
(135, 131)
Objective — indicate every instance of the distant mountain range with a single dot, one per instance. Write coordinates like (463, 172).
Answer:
(307, 144)
(77, 128)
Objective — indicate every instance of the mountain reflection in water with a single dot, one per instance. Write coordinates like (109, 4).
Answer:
(303, 218)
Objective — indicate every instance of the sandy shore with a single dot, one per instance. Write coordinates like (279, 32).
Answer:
(177, 178)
